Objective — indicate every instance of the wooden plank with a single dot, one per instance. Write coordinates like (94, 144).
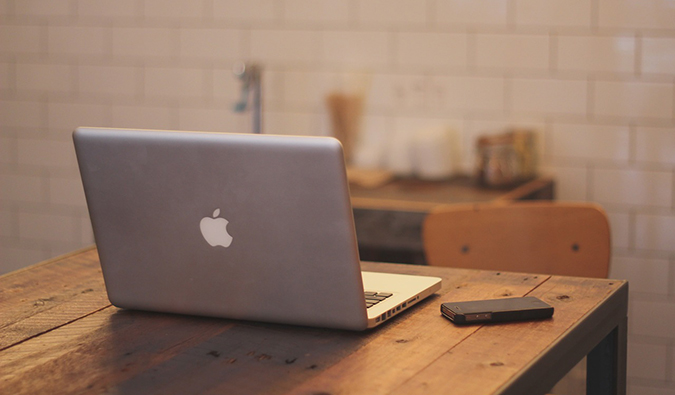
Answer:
(96, 352)
(48, 295)
(496, 353)
(379, 368)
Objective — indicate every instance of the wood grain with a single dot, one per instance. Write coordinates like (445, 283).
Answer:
(495, 353)
(46, 296)
(94, 348)
(379, 368)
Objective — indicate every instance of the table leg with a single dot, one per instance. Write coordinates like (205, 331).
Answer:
(606, 367)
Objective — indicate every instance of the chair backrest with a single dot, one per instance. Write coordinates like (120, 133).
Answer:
(569, 239)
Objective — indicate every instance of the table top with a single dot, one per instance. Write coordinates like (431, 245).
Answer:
(59, 334)
(410, 194)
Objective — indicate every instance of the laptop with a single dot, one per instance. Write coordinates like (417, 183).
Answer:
(239, 226)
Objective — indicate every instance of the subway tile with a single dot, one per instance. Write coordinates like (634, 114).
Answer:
(48, 153)
(15, 257)
(316, 12)
(359, 49)
(142, 42)
(565, 13)
(633, 99)
(467, 93)
(227, 86)
(292, 46)
(21, 39)
(175, 9)
(631, 14)
(310, 89)
(370, 148)
(431, 50)
(621, 228)
(246, 10)
(633, 187)
(571, 183)
(44, 77)
(108, 8)
(6, 76)
(543, 96)
(645, 275)
(50, 8)
(213, 44)
(174, 83)
(658, 55)
(213, 120)
(647, 361)
(509, 51)
(399, 91)
(655, 145)
(654, 388)
(592, 142)
(7, 149)
(66, 191)
(655, 232)
(6, 223)
(606, 54)
(142, 117)
(65, 117)
(472, 12)
(21, 188)
(650, 318)
(77, 40)
(108, 80)
(289, 123)
(392, 12)
(22, 114)
(47, 226)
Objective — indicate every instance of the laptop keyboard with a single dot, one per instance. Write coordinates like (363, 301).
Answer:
(373, 298)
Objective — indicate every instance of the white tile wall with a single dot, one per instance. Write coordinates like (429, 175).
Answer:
(211, 44)
(431, 51)
(590, 142)
(294, 47)
(409, 13)
(647, 275)
(634, 99)
(556, 13)
(549, 96)
(44, 77)
(630, 14)
(317, 13)
(655, 232)
(648, 361)
(595, 78)
(471, 12)
(522, 52)
(633, 187)
(597, 53)
(74, 40)
(357, 49)
(658, 55)
(655, 145)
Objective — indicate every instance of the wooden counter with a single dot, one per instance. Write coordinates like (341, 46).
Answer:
(389, 218)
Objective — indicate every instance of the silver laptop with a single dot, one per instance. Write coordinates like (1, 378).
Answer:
(240, 226)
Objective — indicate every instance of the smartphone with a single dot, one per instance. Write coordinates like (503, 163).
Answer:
(497, 310)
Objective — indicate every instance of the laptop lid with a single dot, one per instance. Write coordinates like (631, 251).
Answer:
(231, 225)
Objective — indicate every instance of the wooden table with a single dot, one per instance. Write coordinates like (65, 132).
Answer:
(60, 335)
(389, 218)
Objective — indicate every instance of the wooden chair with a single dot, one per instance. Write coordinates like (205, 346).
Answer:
(570, 239)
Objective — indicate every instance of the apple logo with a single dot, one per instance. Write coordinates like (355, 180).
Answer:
(214, 230)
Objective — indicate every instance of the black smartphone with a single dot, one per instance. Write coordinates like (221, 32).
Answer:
(497, 310)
